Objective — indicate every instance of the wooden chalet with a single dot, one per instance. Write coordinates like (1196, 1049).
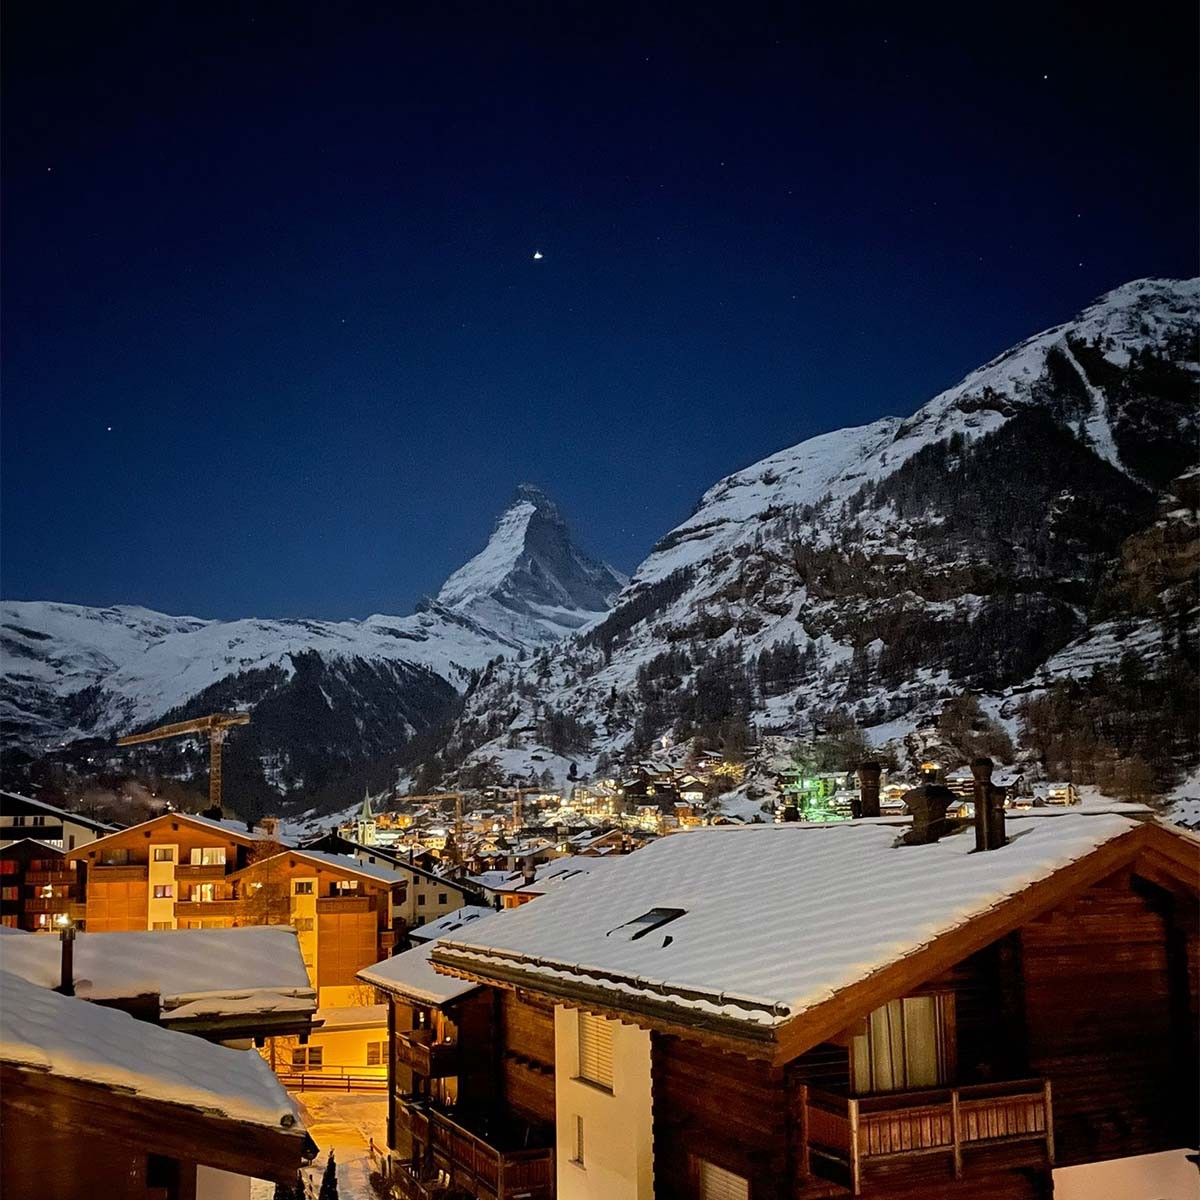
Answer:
(471, 1085)
(25, 817)
(877, 1007)
(93, 1102)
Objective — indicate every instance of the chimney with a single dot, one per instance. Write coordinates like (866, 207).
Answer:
(529, 870)
(66, 985)
(928, 804)
(989, 807)
(867, 804)
(269, 826)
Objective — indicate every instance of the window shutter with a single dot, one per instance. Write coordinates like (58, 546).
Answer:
(718, 1184)
(595, 1050)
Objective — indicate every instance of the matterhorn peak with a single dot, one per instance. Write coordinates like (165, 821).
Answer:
(531, 582)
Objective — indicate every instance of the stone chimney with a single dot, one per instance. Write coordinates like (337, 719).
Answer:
(269, 826)
(927, 804)
(529, 870)
(989, 807)
(867, 804)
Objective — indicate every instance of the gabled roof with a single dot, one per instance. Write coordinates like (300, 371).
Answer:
(243, 974)
(67, 1037)
(333, 862)
(7, 804)
(229, 829)
(779, 924)
(451, 923)
(411, 977)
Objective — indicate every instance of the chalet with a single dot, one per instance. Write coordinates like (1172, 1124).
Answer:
(93, 1101)
(160, 874)
(24, 817)
(39, 889)
(875, 1007)
(519, 887)
(424, 895)
(471, 1098)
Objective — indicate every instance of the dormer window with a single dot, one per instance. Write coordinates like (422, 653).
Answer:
(646, 923)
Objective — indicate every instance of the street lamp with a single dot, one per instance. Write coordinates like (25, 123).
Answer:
(66, 935)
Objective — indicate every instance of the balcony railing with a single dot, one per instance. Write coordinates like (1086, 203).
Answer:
(117, 872)
(465, 1160)
(417, 1049)
(333, 904)
(66, 875)
(209, 909)
(199, 872)
(848, 1134)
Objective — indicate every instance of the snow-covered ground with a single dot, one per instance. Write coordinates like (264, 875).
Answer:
(349, 1124)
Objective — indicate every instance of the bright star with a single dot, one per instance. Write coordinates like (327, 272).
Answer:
(538, 254)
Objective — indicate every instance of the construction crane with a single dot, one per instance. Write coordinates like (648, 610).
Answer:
(216, 726)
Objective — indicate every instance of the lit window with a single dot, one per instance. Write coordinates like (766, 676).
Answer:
(302, 887)
(903, 1046)
(716, 1183)
(208, 856)
(595, 1050)
(10, 893)
(161, 925)
(164, 891)
(203, 893)
(164, 853)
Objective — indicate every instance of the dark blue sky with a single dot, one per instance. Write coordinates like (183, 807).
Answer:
(285, 252)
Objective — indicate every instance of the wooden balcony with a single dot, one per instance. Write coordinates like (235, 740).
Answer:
(65, 875)
(845, 1136)
(209, 910)
(416, 1048)
(343, 904)
(451, 1155)
(199, 873)
(118, 873)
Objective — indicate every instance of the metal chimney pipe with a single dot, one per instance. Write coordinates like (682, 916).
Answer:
(66, 984)
(868, 790)
(989, 807)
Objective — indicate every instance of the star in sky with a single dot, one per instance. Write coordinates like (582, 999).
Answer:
(537, 254)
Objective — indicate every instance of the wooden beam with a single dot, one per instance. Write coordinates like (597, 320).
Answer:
(155, 1126)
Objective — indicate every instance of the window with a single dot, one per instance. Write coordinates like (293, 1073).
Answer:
(10, 893)
(304, 924)
(18, 820)
(39, 820)
(302, 887)
(716, 1183)
(375, 1054)
(160, 925)
(577, 1156)
(308, 1056)
(9, 919)
(595, 1050)
(208, 856)
(443, 898)
(648, 921)
(345, 885)
(421, 900)
(903, 1046)
(164, 891)
(8, 866)
(164, 853)
(203, 893)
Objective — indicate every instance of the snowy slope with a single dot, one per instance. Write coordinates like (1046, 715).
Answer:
(902, 560)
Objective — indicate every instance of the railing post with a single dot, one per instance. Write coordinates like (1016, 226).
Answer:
(956, 1133)
(1049, 1121)
(855, 1171)
(805, 1162)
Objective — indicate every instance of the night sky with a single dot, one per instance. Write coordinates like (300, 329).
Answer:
(275, 342)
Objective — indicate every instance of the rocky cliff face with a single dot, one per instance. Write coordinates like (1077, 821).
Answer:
(875, 571)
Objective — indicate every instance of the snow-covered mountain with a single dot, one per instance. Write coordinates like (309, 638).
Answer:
(879, 569)
(351, 687)
(531, 581)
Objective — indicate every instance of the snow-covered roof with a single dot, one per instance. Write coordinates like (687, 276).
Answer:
(195, 972)
(65, 814)
(344, 862)
(411, 976)
(568, 869)
(773, 919)
(351, 1016)
(451, 923)
(64, 1036)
